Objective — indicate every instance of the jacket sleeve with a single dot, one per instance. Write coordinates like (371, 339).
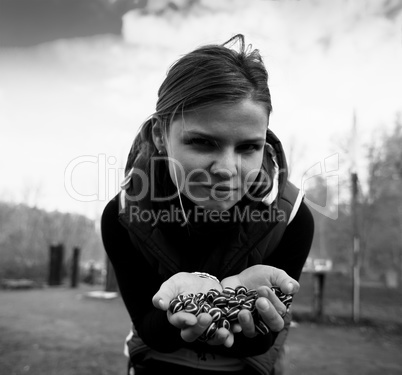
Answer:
(290, 255)
(138, 282)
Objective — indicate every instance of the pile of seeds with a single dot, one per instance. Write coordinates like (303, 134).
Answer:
(224, 307)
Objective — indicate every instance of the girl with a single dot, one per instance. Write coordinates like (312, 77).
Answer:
(206, 205)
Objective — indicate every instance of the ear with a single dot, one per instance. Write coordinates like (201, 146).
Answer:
(158, 136)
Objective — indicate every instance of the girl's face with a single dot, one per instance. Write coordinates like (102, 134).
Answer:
(215, 154)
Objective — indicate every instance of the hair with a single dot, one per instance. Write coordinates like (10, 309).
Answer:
(209, 75)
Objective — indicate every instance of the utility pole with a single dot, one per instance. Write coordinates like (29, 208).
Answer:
(356, 237)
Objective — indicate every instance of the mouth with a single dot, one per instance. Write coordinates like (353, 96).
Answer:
(223, 188)
(219, 187)
(219, 194)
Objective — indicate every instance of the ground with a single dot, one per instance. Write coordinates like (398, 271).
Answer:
(325, 349)
(61, 331)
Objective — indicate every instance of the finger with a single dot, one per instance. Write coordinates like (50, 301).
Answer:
(222, 336)
(165, 294)
(236, 328)
(269, 314)
(229, 341)
(268, 293)
(286, 283)
(182, 319)
(247, 323)
(190, 334)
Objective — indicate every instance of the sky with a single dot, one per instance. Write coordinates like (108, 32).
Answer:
(69, 109)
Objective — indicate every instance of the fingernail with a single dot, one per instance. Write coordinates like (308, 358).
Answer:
(245, 318)
(290, 287)
(160, 303)
(264, 305)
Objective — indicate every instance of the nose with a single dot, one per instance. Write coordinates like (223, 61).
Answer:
(225, 164)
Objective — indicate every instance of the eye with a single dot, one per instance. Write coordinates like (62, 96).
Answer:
(201, 142)
(249, 147)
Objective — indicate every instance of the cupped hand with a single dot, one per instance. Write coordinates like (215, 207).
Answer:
(270, 308)
(190, 325)
(182, 283)
(261, 275)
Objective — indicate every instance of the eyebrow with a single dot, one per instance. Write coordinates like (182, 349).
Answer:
(192, 133)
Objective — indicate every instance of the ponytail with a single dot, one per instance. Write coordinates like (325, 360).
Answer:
(143, 146)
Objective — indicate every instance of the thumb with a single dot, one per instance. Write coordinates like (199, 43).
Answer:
(286, 283)
(165, 294)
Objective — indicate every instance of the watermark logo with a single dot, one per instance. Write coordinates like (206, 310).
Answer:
(109, 177)
(196, 215)
(327, 173)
